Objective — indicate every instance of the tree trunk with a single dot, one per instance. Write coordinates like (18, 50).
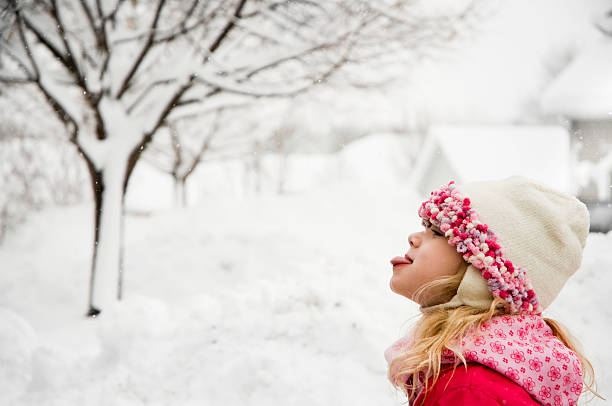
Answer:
(257, 173)
(97, 181)
(282, 172)
(180, 194)
(121, 247)
(132, 160)
(105, 282)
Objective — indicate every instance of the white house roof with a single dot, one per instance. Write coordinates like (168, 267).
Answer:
(583, 90)
(496, 152)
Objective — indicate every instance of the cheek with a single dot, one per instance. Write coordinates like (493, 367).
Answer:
(445, 261)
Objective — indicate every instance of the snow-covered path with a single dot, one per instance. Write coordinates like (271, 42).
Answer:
(253, 301)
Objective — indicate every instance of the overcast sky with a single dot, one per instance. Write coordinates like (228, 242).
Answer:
(494, 77)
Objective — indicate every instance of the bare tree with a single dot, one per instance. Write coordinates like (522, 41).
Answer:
(183, 166)
(187, 148)
(115, 72)
(281, 138)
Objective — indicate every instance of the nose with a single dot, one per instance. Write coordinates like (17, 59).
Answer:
(414, 239)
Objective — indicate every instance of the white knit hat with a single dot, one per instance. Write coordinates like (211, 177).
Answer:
(522, 240)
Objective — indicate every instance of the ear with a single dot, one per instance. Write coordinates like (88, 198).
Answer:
(473, 291)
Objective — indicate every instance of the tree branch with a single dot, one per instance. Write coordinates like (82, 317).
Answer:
(604, 31)
(276, 4)
(235, 88)
(208, 110)
(20, 63)
(287, 58)
(144, 51)
(43, 40)
(148, 137)
(170, 105)
(93, 98)
(90, 19)
(13, 80)
(226, 30)
(284, 22)
(69, 57)
(205, 146)
(57, 107)
(26, 45)
(146, 91)
(113, 14)
(183, 29)
(101, 36)
(260, 33)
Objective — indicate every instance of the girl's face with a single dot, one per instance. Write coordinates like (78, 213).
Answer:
(430, 257)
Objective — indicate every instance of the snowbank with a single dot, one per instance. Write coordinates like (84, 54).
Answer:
(254, 300)
(258, 301)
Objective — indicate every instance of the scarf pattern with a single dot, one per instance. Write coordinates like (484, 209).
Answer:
(521, 347)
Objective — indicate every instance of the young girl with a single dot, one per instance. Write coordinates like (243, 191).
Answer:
(492, 256)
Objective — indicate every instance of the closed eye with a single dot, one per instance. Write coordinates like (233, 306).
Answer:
(435, 230)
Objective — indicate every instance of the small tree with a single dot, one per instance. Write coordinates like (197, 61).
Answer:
(188, 145)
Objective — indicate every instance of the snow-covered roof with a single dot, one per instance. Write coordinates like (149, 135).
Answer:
(494, 152)
(583, 90)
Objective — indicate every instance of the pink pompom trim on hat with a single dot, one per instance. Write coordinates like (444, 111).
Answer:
(450, 211)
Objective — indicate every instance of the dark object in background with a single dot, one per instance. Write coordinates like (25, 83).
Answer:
(601, 216)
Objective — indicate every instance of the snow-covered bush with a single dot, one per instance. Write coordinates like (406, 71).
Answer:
(35, 172)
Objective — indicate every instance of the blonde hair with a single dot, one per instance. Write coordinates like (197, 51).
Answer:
(442, 329)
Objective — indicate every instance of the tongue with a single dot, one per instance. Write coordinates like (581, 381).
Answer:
(400, 260)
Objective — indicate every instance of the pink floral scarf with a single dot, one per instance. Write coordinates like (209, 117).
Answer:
(522, 348)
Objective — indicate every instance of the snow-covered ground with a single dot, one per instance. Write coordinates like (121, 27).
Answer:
(251, 300)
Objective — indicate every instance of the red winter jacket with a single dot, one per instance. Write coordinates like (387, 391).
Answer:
(515, 360)
(478, 385)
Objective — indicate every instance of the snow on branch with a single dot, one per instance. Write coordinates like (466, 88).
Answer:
(145, 49)
(251, 29)
(18, 61)
(152, 59)
(231, 86)
(212, 107)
